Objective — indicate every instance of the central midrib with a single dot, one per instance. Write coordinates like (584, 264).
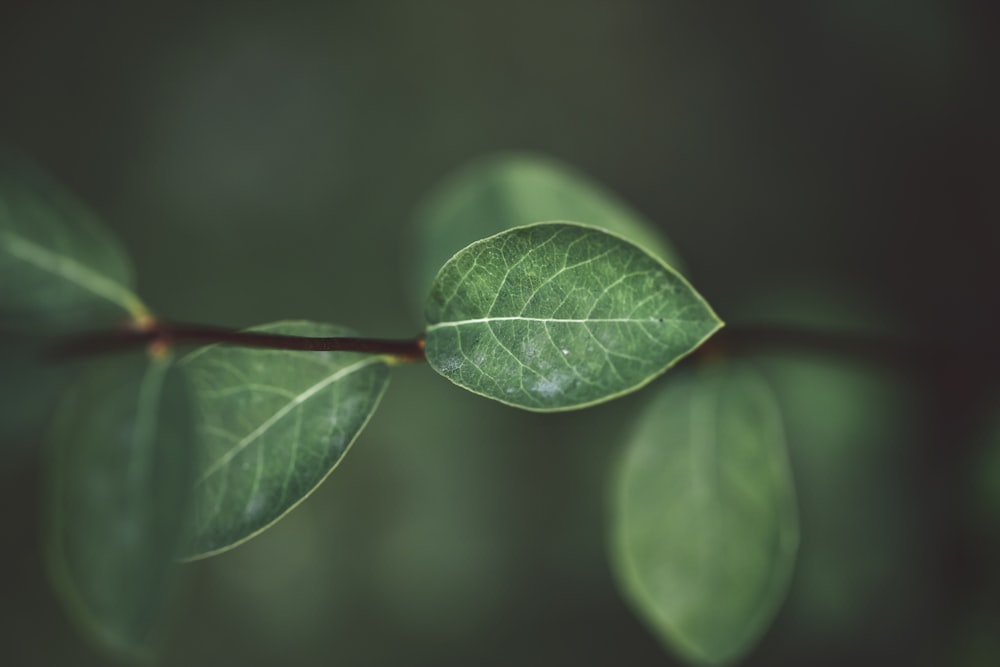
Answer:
(519, 318)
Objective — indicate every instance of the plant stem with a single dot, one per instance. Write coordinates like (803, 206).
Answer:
(160, 334)
(736, 341)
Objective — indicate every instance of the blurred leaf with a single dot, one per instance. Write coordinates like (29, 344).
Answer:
(556, 316)
(987, 473)
(59, 267)
(704, 529)
(848, 428)
(511, 190)
(120, 475)
(973, 640)
(273, 425)
(848, 425)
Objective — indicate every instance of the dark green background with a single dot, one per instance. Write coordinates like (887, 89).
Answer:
(262, 163)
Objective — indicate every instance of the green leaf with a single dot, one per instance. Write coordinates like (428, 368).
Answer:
(120, 472)
(515, 189)
(704, 531)
(60, 268)
(273, 425)
(558, 316)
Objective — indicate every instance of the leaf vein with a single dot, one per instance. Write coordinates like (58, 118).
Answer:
(278, 415)
(73, 271)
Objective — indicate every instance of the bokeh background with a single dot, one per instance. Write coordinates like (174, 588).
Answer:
(813, 161)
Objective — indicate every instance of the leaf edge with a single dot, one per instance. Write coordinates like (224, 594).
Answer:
(718, 322)
(383, 359)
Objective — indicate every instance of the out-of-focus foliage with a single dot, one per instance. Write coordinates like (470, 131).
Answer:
(973, 628)
(704, 526)
(260, 163)
(985, 475)
(510, 190)
(847, 430)
(849, 425)
(61, 269)
(121, 465)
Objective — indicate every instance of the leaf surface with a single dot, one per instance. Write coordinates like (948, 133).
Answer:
(510, 190)
(120, 472)
(557, 316)
(273, 424)
(60, 268)
(705, 528)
